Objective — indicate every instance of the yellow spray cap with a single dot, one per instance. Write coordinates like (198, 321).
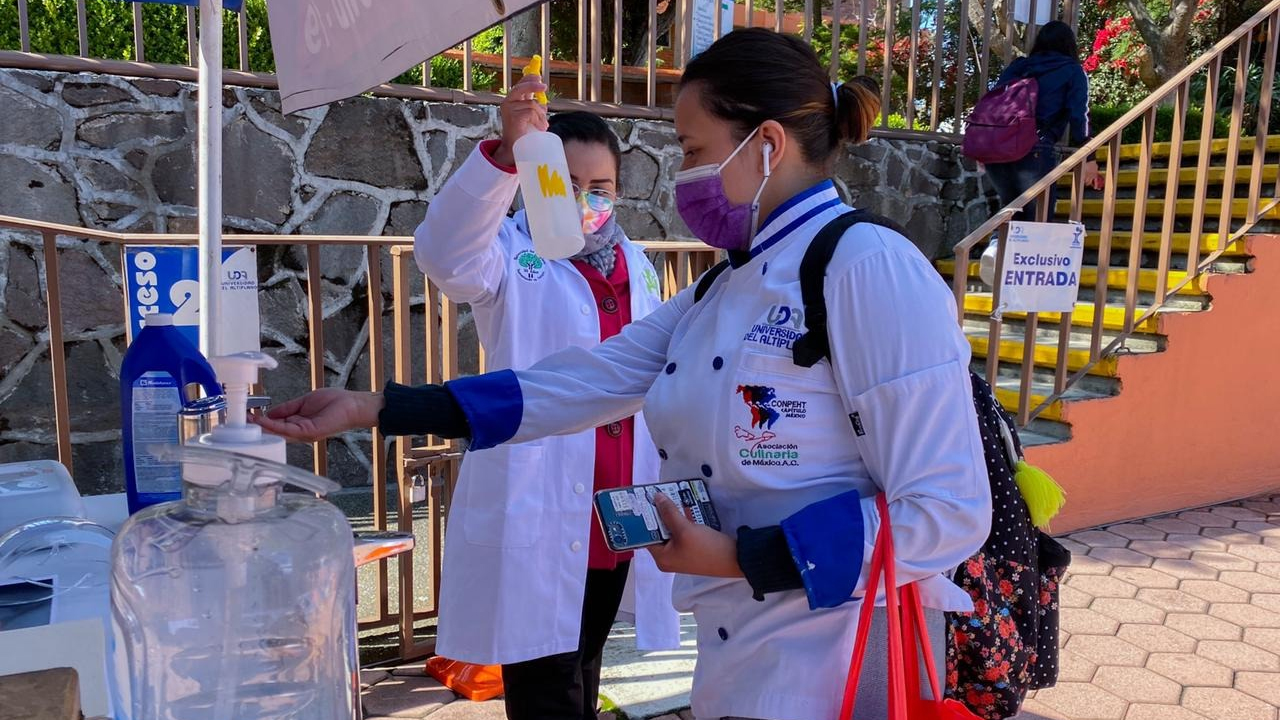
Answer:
(535, 68)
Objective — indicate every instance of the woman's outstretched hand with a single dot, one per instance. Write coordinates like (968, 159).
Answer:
(322, 414)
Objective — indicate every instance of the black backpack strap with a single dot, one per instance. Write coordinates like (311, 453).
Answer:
(815, 345)
(708, 278)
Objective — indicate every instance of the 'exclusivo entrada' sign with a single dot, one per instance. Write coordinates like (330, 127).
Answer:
(1042, 267)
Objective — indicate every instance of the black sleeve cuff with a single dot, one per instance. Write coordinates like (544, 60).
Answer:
(422, 410)
(765, 559)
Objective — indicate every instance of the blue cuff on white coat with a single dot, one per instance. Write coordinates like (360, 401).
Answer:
(493, 405)
(827, 541)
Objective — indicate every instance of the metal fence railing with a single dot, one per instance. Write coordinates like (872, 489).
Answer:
(411, 580)
(933, 58)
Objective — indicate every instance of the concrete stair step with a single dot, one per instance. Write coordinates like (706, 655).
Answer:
(979, 305)
(1180, 242)
(1090, 386)
(1184, 208)
(1007, 393)
(1012, 346)
(1187, 176)
(1225, 265)
(1189, 148)
(1039, 431)
(1031, 438)
(1008, 385)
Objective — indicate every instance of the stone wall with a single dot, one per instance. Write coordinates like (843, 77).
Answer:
(118, 153)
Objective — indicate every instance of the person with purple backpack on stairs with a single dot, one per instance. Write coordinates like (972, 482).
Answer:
(1061, 98)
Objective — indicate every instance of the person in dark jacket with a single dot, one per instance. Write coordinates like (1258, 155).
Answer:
(1062, 103)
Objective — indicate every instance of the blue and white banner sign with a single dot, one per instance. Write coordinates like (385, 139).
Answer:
(166, 280)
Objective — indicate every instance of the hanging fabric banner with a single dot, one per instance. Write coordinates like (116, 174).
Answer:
(329, 50)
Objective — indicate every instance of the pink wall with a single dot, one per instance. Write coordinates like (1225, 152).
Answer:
(1194, 425)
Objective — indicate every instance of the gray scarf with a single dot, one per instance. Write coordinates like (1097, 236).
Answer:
(598, 252)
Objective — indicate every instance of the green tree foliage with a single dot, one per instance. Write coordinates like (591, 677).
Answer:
(53, 29)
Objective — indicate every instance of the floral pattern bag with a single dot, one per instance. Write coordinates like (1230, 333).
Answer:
(1009, 643)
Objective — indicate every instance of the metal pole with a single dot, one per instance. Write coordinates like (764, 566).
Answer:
(24, 27)
(82, 27)
(209, 173)
(242, 33)
(139, 52)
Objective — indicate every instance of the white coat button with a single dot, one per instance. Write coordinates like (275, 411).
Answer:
(586, 309)
(576, 546)
(579, 488)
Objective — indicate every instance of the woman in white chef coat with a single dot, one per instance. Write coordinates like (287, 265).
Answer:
(776, 595)
(528, 580)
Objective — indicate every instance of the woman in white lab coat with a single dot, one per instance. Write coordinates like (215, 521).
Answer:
(528, 581)
(793, 456)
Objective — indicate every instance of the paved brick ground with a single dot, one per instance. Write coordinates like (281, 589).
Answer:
(1170, 618)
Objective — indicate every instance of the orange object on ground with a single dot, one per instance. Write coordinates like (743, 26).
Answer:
(473, 682)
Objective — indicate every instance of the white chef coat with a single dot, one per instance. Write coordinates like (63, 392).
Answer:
(725, 402)
(517, 540)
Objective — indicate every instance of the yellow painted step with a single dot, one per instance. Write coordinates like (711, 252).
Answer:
(1045, 355)
(1112, 315)
(1009, 400)
(1185, 208)
(1190, 147)
(1117, 278)
(1128, 178)
(1180, 242)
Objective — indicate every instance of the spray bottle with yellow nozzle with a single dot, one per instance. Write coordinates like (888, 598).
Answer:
(550, 208)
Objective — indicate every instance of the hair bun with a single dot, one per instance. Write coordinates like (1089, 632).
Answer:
(857, 108)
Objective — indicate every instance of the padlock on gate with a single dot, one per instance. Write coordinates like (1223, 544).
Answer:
(418, 489)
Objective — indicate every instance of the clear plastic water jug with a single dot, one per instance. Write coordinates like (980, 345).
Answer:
(554, 219)
(236, 602)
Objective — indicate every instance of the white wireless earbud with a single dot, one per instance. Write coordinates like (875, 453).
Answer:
(768, 150)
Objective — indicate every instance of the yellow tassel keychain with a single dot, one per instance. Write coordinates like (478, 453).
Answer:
(535, 68)
(1045, 498)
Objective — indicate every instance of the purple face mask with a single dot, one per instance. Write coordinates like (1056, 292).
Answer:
(710, 215)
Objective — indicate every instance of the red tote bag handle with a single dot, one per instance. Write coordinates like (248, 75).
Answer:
(905, 614)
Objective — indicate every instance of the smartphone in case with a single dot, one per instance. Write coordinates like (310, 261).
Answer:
(630, 519)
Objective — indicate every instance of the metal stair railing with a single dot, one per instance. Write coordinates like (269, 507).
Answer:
(1233, 223)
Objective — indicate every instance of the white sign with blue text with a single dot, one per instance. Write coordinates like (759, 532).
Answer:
(1045, 11)
(1041, 267)
(166, 280)
(704, 23)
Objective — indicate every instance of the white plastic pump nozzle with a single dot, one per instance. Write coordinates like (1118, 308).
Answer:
(238, 373)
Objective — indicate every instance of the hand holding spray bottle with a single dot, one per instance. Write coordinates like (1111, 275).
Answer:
(549, 204)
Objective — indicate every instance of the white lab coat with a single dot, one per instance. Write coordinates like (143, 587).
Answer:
(900, 366)
(517, 540)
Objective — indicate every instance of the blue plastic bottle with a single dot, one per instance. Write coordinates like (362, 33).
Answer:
(157, 367)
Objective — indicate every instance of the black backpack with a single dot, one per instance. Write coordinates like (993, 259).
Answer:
(1009, 644)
